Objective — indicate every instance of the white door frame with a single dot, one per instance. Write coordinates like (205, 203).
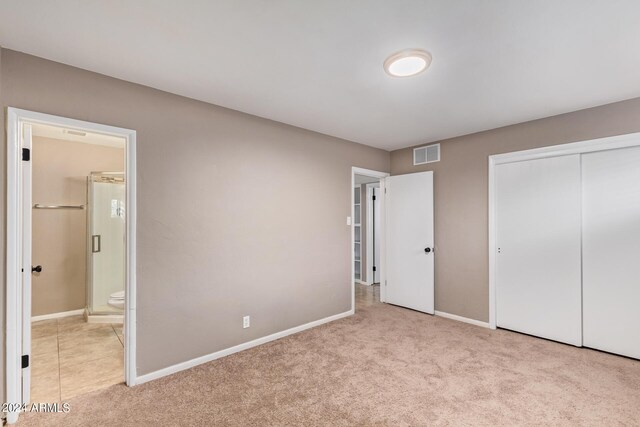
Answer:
(16, 119)
(381, 176)
(369, 276)
(589, 146)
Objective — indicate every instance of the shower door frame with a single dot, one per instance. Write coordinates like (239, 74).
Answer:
(90, 222)
(18, 295)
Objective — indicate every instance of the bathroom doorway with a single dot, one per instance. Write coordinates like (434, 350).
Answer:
(78, 253)
(70, 258)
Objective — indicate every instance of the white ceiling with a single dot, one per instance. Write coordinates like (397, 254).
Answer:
(318, 64)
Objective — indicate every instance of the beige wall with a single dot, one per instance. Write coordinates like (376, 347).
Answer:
(60, 169)
(223, 226)
(460, 186)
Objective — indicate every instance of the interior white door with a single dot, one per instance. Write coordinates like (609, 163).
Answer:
(410, 241)
(538, 236)
(611, 250)
(26, 266)
(376, 234)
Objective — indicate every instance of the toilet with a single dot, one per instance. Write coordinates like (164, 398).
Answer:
(116, 300)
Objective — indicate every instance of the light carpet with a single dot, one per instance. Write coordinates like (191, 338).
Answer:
(384, 366)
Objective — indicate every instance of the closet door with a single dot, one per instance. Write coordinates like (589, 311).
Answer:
(538, 236)
(611, 250)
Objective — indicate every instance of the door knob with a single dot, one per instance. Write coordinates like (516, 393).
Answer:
(427, 250)
(36, 269)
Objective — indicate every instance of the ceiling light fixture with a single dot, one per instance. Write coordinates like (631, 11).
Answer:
(407, 63)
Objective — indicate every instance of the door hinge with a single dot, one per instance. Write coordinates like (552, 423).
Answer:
(374, 198)
(26, 154)
(374, 268)
(25, 361)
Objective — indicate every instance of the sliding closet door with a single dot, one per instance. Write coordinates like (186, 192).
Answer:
(538, 272)
(611, 250)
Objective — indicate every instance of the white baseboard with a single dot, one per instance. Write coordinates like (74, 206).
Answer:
(462, 319)
(360, 282)
(105, 318)
(244, 346)
(57, 315)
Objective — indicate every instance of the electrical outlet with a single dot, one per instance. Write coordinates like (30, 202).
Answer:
(246, 321)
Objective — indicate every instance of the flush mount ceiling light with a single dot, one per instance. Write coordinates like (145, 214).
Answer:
(407, 63)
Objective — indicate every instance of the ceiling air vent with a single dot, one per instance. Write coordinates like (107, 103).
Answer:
(426, 154)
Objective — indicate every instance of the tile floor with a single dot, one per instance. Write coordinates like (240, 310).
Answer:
(367, 295)
(70, 357)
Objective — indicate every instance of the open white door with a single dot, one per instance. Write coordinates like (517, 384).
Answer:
(373, 233)
(375, 211)
(410, 241)
(26, 264)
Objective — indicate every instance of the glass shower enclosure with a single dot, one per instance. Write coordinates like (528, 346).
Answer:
(105, 243)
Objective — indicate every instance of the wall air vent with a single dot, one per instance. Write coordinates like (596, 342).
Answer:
(426, 154)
